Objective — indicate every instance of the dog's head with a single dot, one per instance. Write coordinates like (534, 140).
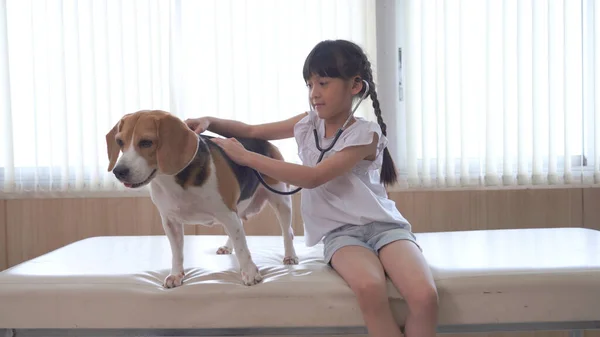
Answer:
(151, 142)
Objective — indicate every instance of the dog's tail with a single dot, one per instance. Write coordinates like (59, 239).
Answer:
(273, 152)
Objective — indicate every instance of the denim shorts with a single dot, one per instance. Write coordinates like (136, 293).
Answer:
(372, 236)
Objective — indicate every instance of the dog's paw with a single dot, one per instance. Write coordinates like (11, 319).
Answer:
(251, 276)
(224, 250)
(173, 281)
(289, 260)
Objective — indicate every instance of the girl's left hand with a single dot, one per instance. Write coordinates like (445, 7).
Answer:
(234, 149)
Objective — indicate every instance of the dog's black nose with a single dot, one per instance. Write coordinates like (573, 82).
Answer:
(121, 172)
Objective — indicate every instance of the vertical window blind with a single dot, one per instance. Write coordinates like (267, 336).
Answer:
(72, 68)
(500, 92)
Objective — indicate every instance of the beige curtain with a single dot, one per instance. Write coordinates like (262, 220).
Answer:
(69, 69)
(500, 92)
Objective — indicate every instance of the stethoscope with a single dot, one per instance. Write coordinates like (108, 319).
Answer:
(318, 144)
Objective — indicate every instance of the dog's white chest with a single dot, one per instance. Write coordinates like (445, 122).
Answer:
(191, 206)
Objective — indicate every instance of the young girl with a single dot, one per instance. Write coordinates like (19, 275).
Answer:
(344, 201)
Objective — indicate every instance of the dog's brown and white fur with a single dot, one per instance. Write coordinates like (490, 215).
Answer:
(192, 181)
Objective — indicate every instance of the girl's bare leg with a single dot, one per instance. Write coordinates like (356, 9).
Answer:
(406, 267)
(363, 272)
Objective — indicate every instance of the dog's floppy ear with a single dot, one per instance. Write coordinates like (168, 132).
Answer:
(177, 144)
(112, 148)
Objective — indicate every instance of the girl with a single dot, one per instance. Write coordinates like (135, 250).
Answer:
(344, 201)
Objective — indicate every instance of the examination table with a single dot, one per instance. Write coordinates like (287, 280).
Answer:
(488, 280)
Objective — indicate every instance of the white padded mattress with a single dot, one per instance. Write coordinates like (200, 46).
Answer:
(499, 276)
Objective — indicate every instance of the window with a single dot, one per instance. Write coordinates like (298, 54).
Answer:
(498, 93)
(76, 67)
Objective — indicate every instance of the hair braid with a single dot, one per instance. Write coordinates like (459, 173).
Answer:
(388, 169)
(376, 108)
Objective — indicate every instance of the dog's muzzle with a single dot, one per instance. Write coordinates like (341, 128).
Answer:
(121, 172)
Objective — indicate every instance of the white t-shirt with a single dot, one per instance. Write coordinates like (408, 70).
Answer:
(356, 197)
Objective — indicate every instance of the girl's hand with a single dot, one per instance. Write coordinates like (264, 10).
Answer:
(234, 149)
(198, 125)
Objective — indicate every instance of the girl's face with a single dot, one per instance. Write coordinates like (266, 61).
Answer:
(331, 97)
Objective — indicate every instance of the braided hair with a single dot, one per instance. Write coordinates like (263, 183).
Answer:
(344, 59)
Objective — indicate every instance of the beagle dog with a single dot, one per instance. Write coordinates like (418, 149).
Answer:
(193, 182)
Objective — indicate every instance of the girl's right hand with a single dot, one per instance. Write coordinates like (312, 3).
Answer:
(198, 125)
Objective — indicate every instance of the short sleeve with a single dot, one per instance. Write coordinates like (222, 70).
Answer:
(303, 127)
(362, 134)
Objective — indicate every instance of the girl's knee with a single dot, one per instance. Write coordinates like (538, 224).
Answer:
(364, 274)
(423, 299)
(371, 292)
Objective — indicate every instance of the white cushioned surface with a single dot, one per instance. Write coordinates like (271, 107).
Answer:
(497, 276)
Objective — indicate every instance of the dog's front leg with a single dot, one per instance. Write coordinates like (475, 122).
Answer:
(235, 229)
(174, 231)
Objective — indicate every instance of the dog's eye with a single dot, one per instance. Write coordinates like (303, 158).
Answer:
(120, 143)
(145, 143)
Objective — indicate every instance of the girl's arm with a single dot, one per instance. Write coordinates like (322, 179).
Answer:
(300, 175)
(231, 128)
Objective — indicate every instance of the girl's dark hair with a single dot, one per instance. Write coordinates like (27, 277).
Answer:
(346, 60)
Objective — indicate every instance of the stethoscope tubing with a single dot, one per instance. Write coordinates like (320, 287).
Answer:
(318, 145)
